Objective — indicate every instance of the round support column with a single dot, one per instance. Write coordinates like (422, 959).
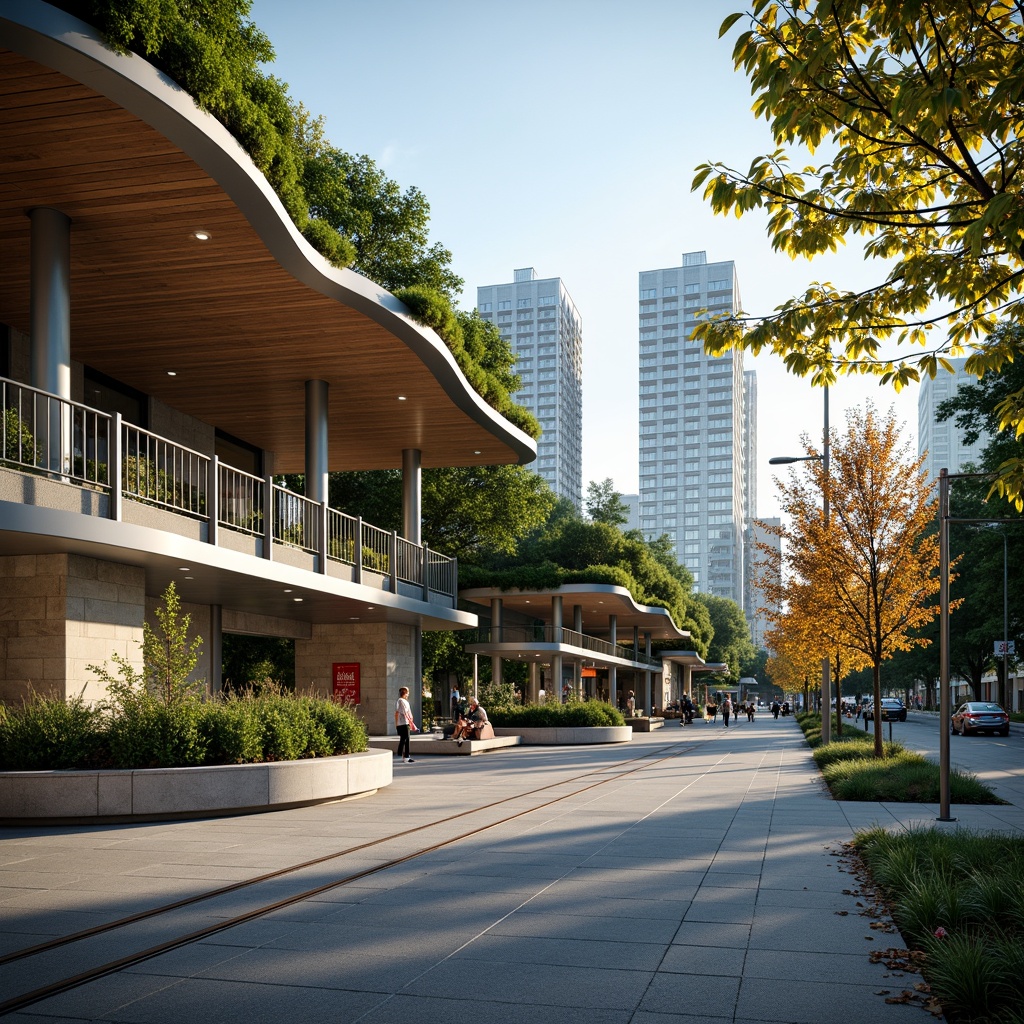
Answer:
(412, 495)
(316, 440)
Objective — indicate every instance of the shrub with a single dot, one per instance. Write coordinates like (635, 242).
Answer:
(140, 731)
(48, 734)
(345, 732)
(572, 714)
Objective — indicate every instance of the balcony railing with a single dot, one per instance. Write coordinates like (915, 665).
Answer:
(545, 634)
(50, 436)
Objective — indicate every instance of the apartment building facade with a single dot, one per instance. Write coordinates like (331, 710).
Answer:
(696, 415)
(942, 442)
(540, 321)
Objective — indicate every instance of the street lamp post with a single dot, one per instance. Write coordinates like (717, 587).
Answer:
(826, 668)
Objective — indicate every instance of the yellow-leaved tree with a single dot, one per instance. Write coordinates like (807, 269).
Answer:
(916, 106)
(864, 580)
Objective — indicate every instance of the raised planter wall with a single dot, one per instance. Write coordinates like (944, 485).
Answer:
(155, 793)
(568, 736)
(645, 724)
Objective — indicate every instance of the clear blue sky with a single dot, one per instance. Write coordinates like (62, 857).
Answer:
(563, 135)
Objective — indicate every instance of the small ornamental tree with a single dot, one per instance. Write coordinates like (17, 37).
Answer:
(869, 573)
(168, 658)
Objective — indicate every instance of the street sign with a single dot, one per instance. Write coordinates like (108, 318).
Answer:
(1005, 647)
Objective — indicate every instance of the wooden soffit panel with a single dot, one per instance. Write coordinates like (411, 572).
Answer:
(243, 319)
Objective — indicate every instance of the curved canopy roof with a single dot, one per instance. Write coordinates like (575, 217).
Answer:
(242, 319)
(598, 601)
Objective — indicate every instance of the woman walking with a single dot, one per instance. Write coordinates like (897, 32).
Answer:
(403, 724)
(726, 711)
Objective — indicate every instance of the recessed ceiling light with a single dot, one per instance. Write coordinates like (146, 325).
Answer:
(353, 618)
(172, 373)
(201, 235)
(401, 398)
(296, 598)
(190, 577)
(185, 568)
(369, 607)
(288, 591)
(476, 451)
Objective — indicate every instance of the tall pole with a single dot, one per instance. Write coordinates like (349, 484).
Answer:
(1006, 633)
(944, 701)
(826, 668)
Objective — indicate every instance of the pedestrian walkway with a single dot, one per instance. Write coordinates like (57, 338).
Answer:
(703, 882)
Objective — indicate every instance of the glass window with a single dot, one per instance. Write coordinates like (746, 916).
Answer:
(523, 303)
(546, 300)
(721, 285)
(691, 288)
(485, 307)
(505, 304)
(670, 289)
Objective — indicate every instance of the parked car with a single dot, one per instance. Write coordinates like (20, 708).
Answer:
(980, 716)
(892, 710)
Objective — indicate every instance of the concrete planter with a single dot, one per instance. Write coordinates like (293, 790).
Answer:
(159, 793)
(562, 736)
(645, 724)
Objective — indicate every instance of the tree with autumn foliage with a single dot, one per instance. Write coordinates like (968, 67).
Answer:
(810, 627)
(918, 106)
(866, 579)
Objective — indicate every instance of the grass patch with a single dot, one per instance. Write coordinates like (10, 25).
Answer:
(852, 772)
(958, 899)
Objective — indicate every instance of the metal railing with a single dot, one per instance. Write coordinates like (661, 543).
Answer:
(159, 472)
(376, 549)
(41, 433)
(442, 573)
(241, 500)
(408, 561)
(44, 434)
(342, 530)
(541, 633)
(296, 520)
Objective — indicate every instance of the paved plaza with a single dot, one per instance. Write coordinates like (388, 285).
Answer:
(701, 882)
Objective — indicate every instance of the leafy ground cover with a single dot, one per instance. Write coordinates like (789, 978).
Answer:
(852, 772)
(138, 730)
(569, 715)
(958, 900)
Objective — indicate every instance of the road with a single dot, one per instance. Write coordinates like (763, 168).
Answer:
(996, 760)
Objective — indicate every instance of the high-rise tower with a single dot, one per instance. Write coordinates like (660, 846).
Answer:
(540, 321)
(942, 441)
(694, 421)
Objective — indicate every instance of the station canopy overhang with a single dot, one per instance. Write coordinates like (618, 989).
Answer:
(528, 615)
(189, 282)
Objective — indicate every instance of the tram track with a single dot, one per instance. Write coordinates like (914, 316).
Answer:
(610, 773)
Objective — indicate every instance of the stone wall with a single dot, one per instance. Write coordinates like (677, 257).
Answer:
(385, 652)
(61, 613)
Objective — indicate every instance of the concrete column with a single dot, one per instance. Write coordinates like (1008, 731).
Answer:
(613, 670)
(216, 680)
(533, 694)
(316, 440)
(496, 637)
(577, 672)
(412, 495)
(50, 301)
(50, 325)
(647, 673)
(556, 658)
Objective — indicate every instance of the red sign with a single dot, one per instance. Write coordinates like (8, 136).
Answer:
(346, 682)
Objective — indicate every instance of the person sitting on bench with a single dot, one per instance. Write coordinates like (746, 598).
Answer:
(470, 726)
